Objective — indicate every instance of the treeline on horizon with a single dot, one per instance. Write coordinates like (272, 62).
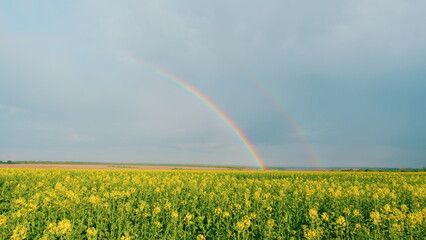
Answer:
(423, 169)
(123, 163)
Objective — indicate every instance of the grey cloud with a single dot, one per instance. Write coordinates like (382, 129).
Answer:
(350, 74)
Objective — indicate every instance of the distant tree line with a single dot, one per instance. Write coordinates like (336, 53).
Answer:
(382, 170)
(7, 162)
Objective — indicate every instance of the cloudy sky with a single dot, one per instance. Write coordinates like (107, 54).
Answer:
(336, 83)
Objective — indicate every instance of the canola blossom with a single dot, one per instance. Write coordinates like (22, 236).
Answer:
(175, 204)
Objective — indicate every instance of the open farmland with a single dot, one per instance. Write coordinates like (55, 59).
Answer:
(159, 204)
(114, 166)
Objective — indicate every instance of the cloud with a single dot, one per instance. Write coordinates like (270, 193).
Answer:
(350, 74)
(81, 138)
(12, 110)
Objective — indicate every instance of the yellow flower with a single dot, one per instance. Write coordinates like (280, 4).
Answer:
(387, 208)
(337, 193)
(226, 214)
(128, 206)
(94, 199)
(188, 217)
(175, 214)
(240, 226)
(143, 205)
(63, 227)
(20, 201)
(158, 224)
(92, 231)
(415, 218)
(201, 237)
(376, 196)
(3, 219)
(19, 233)
(168, 205)
(247, 222)
(324, 216)
(357, 213)
(376, 217)
(270, 223)
(397, 228)
(313, 213)
(18, 214)
(157, 210)
(341, 221)
(311, 233)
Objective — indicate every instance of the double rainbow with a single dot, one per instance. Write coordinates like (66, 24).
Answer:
(210, 104)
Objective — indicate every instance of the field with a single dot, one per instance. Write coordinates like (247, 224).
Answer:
(178, 204)
(114, 166)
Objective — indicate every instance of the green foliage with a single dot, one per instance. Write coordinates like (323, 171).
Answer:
(133, 204)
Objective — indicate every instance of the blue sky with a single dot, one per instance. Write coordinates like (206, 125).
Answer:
(350, 75)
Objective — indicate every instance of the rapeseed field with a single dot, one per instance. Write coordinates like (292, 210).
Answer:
(137, 204)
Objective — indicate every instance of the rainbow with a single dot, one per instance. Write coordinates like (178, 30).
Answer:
(276, 103)
(210, 104)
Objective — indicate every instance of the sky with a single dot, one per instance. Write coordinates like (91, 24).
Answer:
(309, 83)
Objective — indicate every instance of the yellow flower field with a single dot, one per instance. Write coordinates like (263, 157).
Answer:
(133, 204)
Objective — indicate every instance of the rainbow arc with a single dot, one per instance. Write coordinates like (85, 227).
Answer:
(277, 104)
(211, 105)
